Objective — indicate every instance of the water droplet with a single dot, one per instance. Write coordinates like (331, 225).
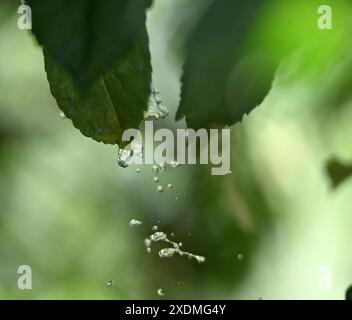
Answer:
(156, 179)
(155, 169)
(137, 148)
(159, 189)
(230, 172)
(135, 222)
(147, 242)
(110, 283)
(155, 108)
(160, 292)
(138, 170)
(162, 165)
(169, 186)
(158, 236)
(172, 234)
(190, 234)
(176, 198)
(180, 244)
(199, 259)
(240, 256)
(174, 164)
(155, 228)
(124, 157)
(149, 250)
(167, 252)
(62, 116)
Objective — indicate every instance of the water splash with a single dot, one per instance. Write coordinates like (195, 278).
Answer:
(126, 155)
(175, 247)
(155, 108)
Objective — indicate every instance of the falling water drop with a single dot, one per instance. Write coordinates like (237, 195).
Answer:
(155, 228)
(124, 157)
(169, 186)
(138, 170)
(160, 292)
(156, 179)
(155, 108)
(174, 164)
(240, 256)
(159, 189)
(62, 116)
(162, 165)
(155, 169)
(135, 222)
(199, 259)
(110, 283)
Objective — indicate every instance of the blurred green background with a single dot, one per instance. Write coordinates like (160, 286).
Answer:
(273, 229)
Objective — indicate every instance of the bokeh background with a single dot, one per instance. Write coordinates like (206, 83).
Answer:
(272, 229)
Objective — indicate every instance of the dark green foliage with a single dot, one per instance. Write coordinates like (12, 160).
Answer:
(222, 81)
(87, 36)
(116, 101)
(338, 172)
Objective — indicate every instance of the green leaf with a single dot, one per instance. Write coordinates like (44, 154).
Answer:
(233, 54)
(338, 172)
(87, 36)
(115, 102)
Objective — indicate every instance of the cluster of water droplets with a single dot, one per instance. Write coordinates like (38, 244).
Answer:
(173, 249)
(126, 155)
(156, 169)
(156, 110)
(168, 252)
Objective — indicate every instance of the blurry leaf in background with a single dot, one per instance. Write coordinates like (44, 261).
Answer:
(213, 52)
(86, 37)
(115, 102)
(233, 54)
(338, 172)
